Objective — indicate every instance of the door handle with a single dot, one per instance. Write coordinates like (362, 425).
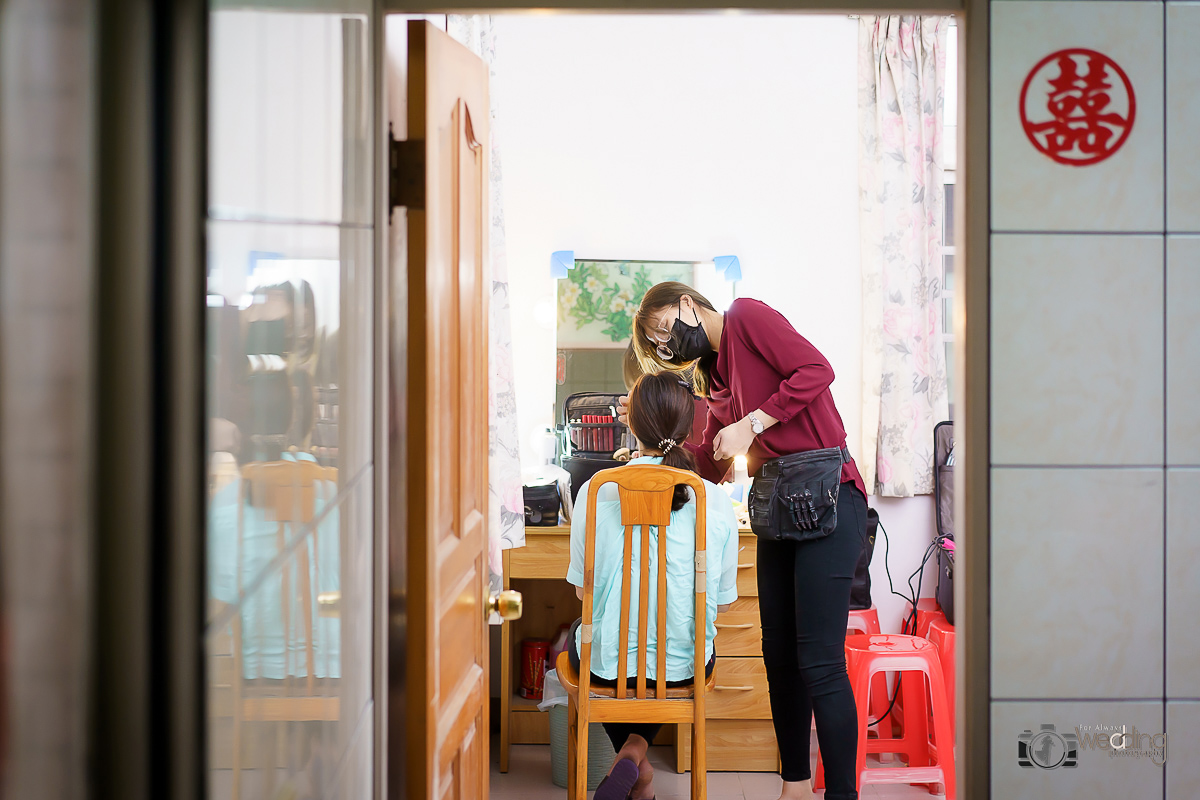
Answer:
(329, 604)
(508, 604)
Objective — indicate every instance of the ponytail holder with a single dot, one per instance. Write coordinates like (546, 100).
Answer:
(665, 445)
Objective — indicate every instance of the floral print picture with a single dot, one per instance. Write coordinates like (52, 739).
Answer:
(597, 299)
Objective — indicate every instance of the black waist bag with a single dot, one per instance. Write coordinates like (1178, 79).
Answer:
(795, 497)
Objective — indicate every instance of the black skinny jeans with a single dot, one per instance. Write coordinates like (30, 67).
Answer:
(804, 602)
(619, 732)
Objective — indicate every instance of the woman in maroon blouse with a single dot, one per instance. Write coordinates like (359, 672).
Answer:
(768, 396)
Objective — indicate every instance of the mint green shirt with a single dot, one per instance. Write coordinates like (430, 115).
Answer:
(721, 548)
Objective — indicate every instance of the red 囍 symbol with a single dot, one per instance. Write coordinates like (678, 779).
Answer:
(1077, 106)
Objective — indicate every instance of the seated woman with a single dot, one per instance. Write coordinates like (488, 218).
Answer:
(660, 416)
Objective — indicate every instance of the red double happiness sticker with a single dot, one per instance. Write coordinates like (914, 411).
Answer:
(1077, 106)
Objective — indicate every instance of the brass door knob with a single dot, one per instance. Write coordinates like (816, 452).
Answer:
(329, 604)
(507, 604)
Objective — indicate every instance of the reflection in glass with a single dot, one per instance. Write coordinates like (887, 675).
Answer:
(289, 398)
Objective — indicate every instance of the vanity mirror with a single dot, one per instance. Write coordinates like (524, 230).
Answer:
(597, 300)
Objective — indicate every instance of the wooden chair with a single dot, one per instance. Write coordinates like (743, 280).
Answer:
(288, 491)
(645, 492)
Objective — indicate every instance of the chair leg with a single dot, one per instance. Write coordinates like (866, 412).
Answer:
(943, 730)
(581, 753)
(572, 733)
(699, 761)
(237, 753)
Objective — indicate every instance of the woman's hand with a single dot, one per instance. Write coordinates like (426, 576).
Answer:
(623, 409)
(733, 440)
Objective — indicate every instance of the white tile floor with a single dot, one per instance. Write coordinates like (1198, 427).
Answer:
(528, 778)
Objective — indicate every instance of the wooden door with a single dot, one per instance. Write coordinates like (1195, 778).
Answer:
(447, 444)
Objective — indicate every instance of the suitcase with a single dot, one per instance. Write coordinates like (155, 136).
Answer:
(589, 434)
(943, 495)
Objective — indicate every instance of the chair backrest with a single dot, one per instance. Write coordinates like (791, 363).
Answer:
(645, 492)
(286, 491)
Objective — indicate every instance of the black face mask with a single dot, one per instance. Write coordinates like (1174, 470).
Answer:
(690, 342)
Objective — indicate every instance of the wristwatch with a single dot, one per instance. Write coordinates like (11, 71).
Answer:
(755, 424)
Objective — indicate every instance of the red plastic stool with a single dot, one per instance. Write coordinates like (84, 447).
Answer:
(920, 666)
(866, 620)
(941, 636)
(863, 620)
(927, 611)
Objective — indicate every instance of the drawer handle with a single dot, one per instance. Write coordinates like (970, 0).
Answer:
(745, 627)
(745, 566)
(720, 688)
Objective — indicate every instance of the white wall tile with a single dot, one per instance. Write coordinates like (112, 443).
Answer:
(1183, 117)
(1032, 192)
(1077, 583)
(1183, 350)
(1077, 355)
(1183, 584)
(1183, 768)
(1097, 773)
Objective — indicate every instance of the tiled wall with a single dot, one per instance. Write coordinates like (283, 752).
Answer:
(46, 273)
(1095, 370)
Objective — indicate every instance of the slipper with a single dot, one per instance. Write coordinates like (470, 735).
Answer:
(619, 782)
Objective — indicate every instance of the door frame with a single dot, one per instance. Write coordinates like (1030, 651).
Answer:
(971, 334)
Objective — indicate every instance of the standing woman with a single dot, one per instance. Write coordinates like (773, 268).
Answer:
(768, 398)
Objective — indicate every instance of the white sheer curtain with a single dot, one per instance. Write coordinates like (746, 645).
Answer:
(507, 505)
(902, 81)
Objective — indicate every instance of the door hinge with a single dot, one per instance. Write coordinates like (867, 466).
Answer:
(406, 172)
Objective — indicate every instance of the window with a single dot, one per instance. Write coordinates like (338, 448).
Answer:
(949, 250)
(948, 254)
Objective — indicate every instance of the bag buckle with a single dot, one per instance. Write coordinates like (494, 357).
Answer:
(803, 510)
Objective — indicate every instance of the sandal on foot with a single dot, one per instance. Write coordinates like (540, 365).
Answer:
(619, 782)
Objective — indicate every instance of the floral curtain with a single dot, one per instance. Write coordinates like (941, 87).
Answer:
(901, 83)
(507, 504)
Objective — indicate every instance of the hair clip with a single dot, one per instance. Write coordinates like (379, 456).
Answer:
(665, 445)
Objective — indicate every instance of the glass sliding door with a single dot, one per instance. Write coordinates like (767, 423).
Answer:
(290, 388)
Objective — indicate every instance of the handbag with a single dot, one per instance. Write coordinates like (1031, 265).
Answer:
(541, 505)
(860, 586)
(794, 497)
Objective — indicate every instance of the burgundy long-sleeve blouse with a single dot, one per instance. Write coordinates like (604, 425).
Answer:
(764, 363)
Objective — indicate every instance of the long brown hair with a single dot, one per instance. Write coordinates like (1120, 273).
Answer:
(631, 369)
(657, 298)
(660, 416)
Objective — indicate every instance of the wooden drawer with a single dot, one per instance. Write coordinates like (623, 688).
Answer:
(733, 745)
(739, 632)
(545, 555)
(747, 579)
(739, 691)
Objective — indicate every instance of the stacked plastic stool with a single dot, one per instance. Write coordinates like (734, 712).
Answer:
(920, 668)
(941, 636)
(927, 611)
(866, 620)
